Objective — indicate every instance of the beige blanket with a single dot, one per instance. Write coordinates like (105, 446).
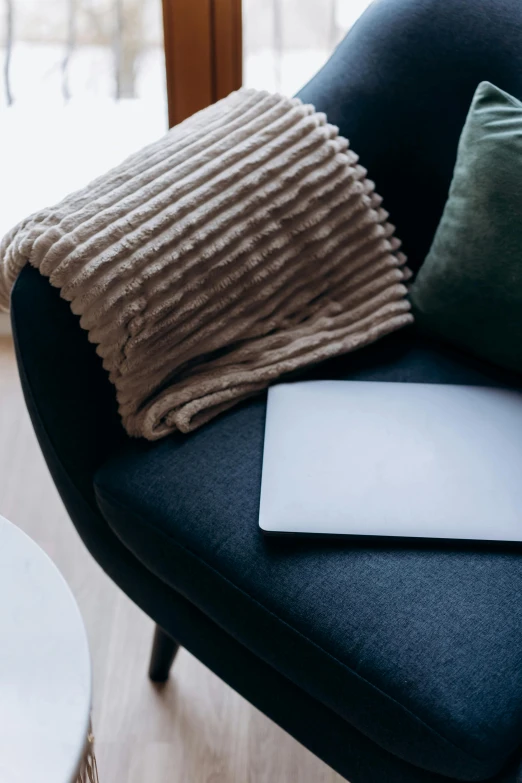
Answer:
(244, 244)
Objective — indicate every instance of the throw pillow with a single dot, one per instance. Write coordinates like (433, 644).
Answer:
(469, 289)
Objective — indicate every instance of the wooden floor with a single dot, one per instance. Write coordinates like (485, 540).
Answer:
(193, 730)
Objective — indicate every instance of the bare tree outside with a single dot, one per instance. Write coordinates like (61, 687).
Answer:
(334, 31)
(118, 38)
(129, 44)
(96, 27)
(9, 13)
(278, 41)
(72, 7)
(123, 28)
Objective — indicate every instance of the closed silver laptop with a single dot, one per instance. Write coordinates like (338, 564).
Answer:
(393, 459)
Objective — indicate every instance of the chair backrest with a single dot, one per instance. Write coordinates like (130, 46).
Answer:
(399, 87)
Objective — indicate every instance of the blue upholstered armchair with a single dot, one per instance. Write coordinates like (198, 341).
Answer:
(394, 663)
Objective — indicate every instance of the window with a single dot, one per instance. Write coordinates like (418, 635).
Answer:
(83, 86)
(83, 82)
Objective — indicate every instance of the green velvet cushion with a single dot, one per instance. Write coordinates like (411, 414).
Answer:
(469, 289)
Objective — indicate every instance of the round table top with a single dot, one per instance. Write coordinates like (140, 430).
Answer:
(45, 672)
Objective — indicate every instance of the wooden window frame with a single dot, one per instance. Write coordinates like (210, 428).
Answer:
(203, 53)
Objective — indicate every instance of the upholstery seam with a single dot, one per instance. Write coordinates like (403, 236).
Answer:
(278, 619)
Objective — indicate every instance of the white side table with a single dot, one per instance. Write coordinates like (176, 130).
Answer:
(45, 671)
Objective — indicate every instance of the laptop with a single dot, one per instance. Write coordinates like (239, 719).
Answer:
(392, 459)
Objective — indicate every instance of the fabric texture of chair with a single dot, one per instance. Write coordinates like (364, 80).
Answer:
(345, 621)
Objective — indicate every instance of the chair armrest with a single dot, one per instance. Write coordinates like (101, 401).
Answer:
(68, 394)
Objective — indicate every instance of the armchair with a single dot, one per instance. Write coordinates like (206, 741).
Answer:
(392, 662)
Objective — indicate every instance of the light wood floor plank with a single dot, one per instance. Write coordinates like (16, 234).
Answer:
(195, 729)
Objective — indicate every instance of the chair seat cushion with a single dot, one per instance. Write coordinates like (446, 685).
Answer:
(416, 644)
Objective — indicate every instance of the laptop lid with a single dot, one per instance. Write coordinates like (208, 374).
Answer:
(393, 459)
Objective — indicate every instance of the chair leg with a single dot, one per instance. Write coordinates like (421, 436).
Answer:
(164, 650)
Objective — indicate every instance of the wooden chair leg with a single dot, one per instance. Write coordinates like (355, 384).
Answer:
(164, 650)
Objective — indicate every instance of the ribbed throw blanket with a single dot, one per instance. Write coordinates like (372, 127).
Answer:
(244, 244)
